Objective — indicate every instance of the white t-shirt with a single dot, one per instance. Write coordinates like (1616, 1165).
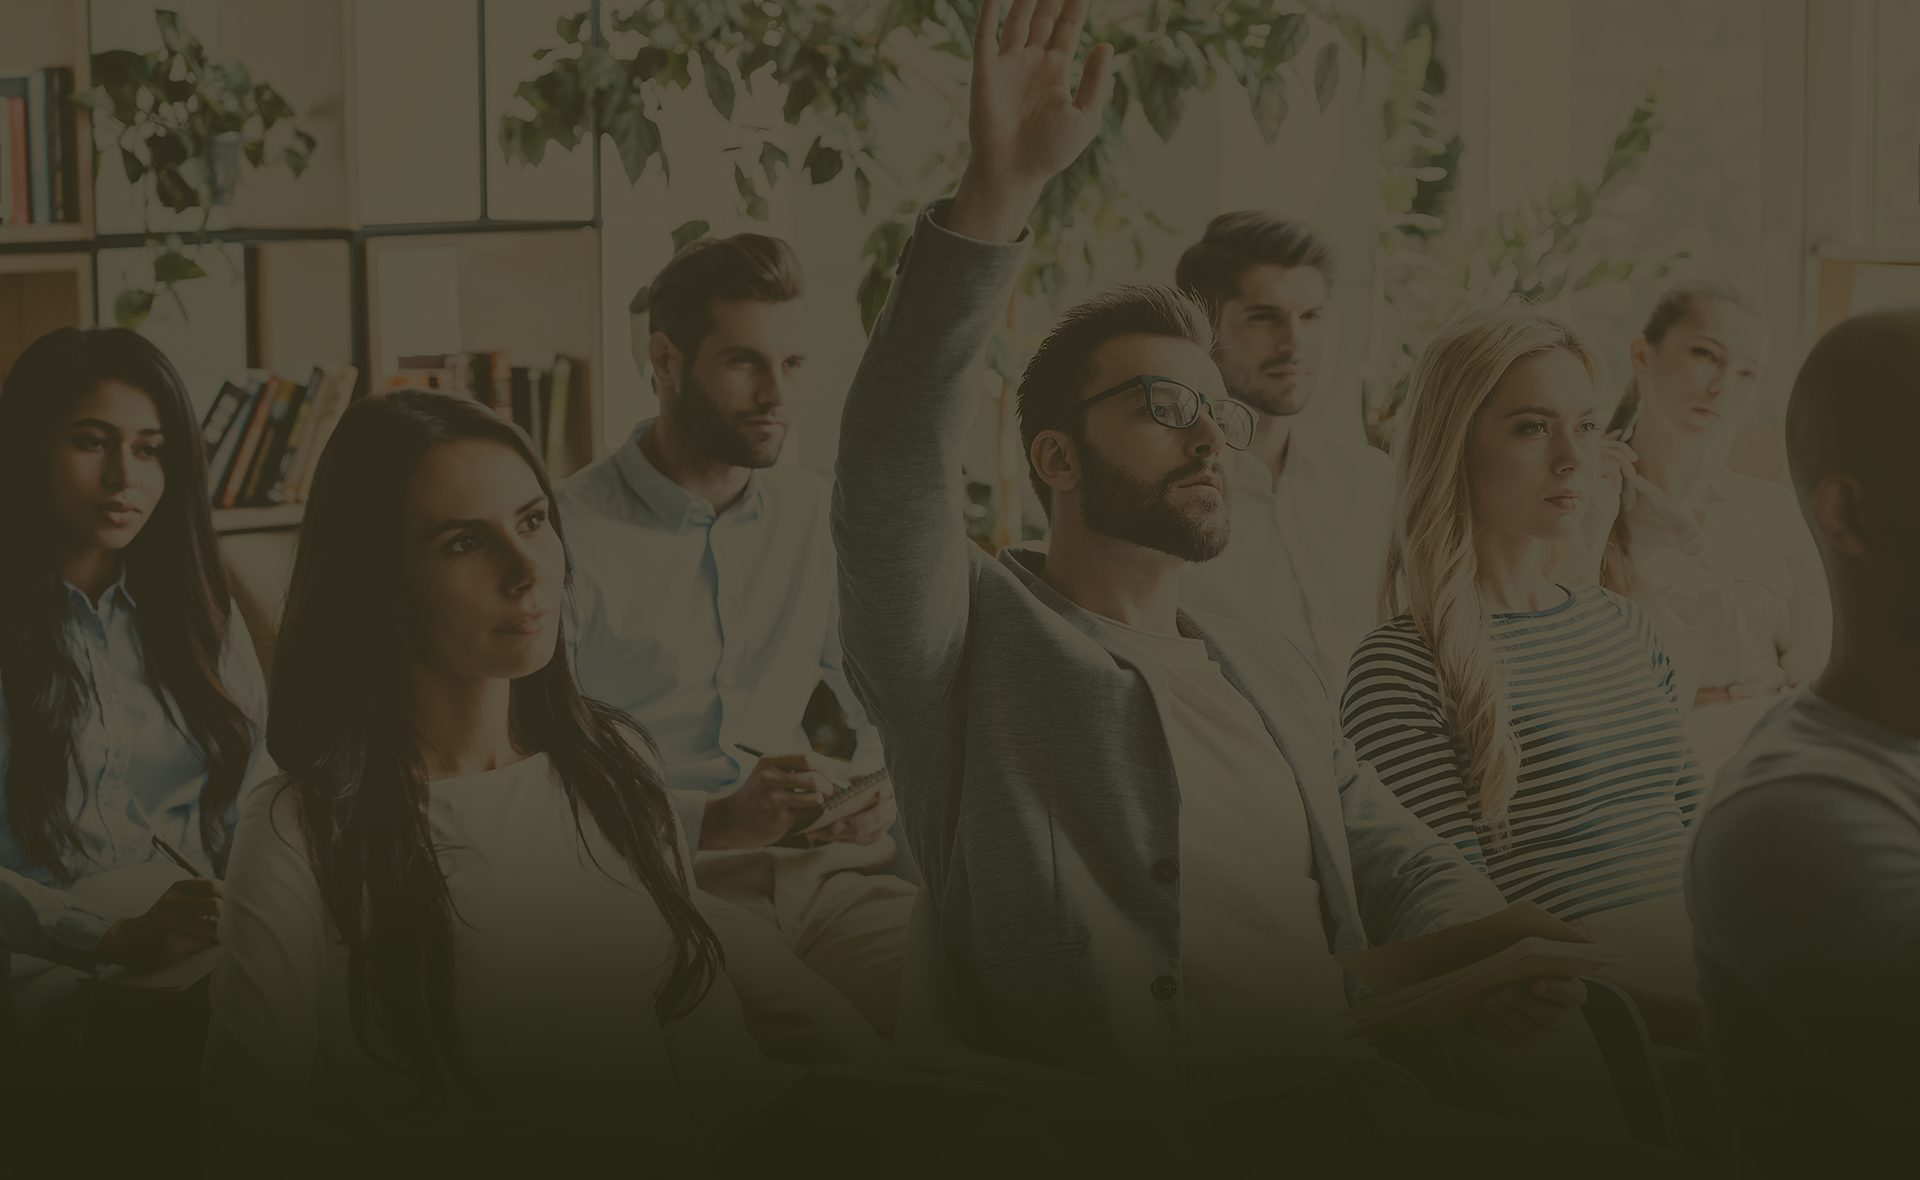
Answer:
(1260, 986)
(558, 955)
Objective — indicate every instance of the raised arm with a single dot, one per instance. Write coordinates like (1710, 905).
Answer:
(905, 577)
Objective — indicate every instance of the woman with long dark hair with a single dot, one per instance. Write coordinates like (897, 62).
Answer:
(459, 931)
(132, 695)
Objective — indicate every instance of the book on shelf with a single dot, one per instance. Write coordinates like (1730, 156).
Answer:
(264, 434)
(39, 152)
(538, 399)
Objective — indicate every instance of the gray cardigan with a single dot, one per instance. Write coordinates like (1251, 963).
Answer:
(1031, 762)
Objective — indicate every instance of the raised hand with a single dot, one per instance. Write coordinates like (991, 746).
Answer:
(1027, 120)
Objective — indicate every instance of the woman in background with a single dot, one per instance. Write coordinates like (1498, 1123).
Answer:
(1721, 562)
(132, 696)
(459, 934)
(1536, 726)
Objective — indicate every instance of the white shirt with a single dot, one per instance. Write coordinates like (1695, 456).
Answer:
(558, 956)
(1734, 588)
(712, 629)
(1260, 986)
(136, 775)
(1306, 555)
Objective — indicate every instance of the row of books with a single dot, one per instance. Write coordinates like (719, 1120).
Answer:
(39, 148)
(264, 435)
(538, 400)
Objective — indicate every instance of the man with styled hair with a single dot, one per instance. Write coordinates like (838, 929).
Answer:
(1314, 511)
(707, 609)
(1804, 881)
(1140, 832)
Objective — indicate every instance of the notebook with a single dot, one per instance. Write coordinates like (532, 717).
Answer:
(856, 792)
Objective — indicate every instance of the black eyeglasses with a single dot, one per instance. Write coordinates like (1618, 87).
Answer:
(1178, 406)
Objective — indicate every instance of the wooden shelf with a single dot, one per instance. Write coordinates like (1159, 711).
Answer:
(52, 231)
(228, 521)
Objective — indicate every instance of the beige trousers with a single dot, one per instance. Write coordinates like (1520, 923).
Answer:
(836, 906)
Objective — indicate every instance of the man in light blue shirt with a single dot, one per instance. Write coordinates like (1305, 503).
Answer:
(706, 603)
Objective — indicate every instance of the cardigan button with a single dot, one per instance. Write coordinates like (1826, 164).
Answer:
(1164, 988)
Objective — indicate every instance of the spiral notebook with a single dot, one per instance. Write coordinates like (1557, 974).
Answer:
(858, 791)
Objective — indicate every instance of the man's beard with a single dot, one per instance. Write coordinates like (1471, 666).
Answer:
(1120, 506)
(722, 436)
(1246, 385)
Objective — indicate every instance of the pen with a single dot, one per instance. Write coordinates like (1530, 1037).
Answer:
(750, 752)
(173, 856)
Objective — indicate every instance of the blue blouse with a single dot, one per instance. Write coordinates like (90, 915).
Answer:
(138, 775)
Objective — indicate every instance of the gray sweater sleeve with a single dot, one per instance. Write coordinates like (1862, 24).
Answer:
(905, 572)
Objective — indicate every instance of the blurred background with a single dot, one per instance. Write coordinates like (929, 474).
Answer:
(308, 200)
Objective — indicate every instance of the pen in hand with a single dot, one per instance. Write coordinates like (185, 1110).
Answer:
(173, 856)
(750, 752)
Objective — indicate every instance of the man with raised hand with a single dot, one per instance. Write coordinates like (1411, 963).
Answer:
(1140, 835)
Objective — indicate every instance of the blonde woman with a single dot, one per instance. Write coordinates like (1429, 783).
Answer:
(1721, 562)
(1535, 726)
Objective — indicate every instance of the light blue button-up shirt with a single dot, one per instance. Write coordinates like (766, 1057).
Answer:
(138, 775)
(711, 629)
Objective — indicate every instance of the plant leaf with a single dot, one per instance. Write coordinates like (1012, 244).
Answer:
(719, 83)
(772, 156)
(756, 204)
(822, 163)
(131, 307)
(1326, 74)
(691, 231)
(862, 189)
(175, 267)
(638, 303)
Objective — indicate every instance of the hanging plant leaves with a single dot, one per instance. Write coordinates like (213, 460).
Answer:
(638, 139)
(862, 189)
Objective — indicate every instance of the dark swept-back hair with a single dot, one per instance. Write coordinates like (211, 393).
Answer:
(743, 267)
(1237, 242)
(1676, 303)
(339, 727)
(1052, 384)
(172, 569)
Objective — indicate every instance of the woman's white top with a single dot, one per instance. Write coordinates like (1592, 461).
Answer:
(559, 953)
(1734, 587)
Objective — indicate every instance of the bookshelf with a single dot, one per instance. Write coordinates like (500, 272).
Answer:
(407, 235)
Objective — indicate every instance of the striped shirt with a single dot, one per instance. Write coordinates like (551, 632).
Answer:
(1607, 784)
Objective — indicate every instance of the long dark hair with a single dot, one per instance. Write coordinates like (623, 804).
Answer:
(173, 571)
(339, 727)
(1676, 303)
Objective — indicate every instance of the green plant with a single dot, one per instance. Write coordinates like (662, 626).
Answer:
(1427, 269)
(174, 113)
(832, 65)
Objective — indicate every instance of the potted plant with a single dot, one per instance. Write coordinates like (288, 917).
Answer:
(184, 125)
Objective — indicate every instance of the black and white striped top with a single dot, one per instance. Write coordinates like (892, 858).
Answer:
(1607, 783)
